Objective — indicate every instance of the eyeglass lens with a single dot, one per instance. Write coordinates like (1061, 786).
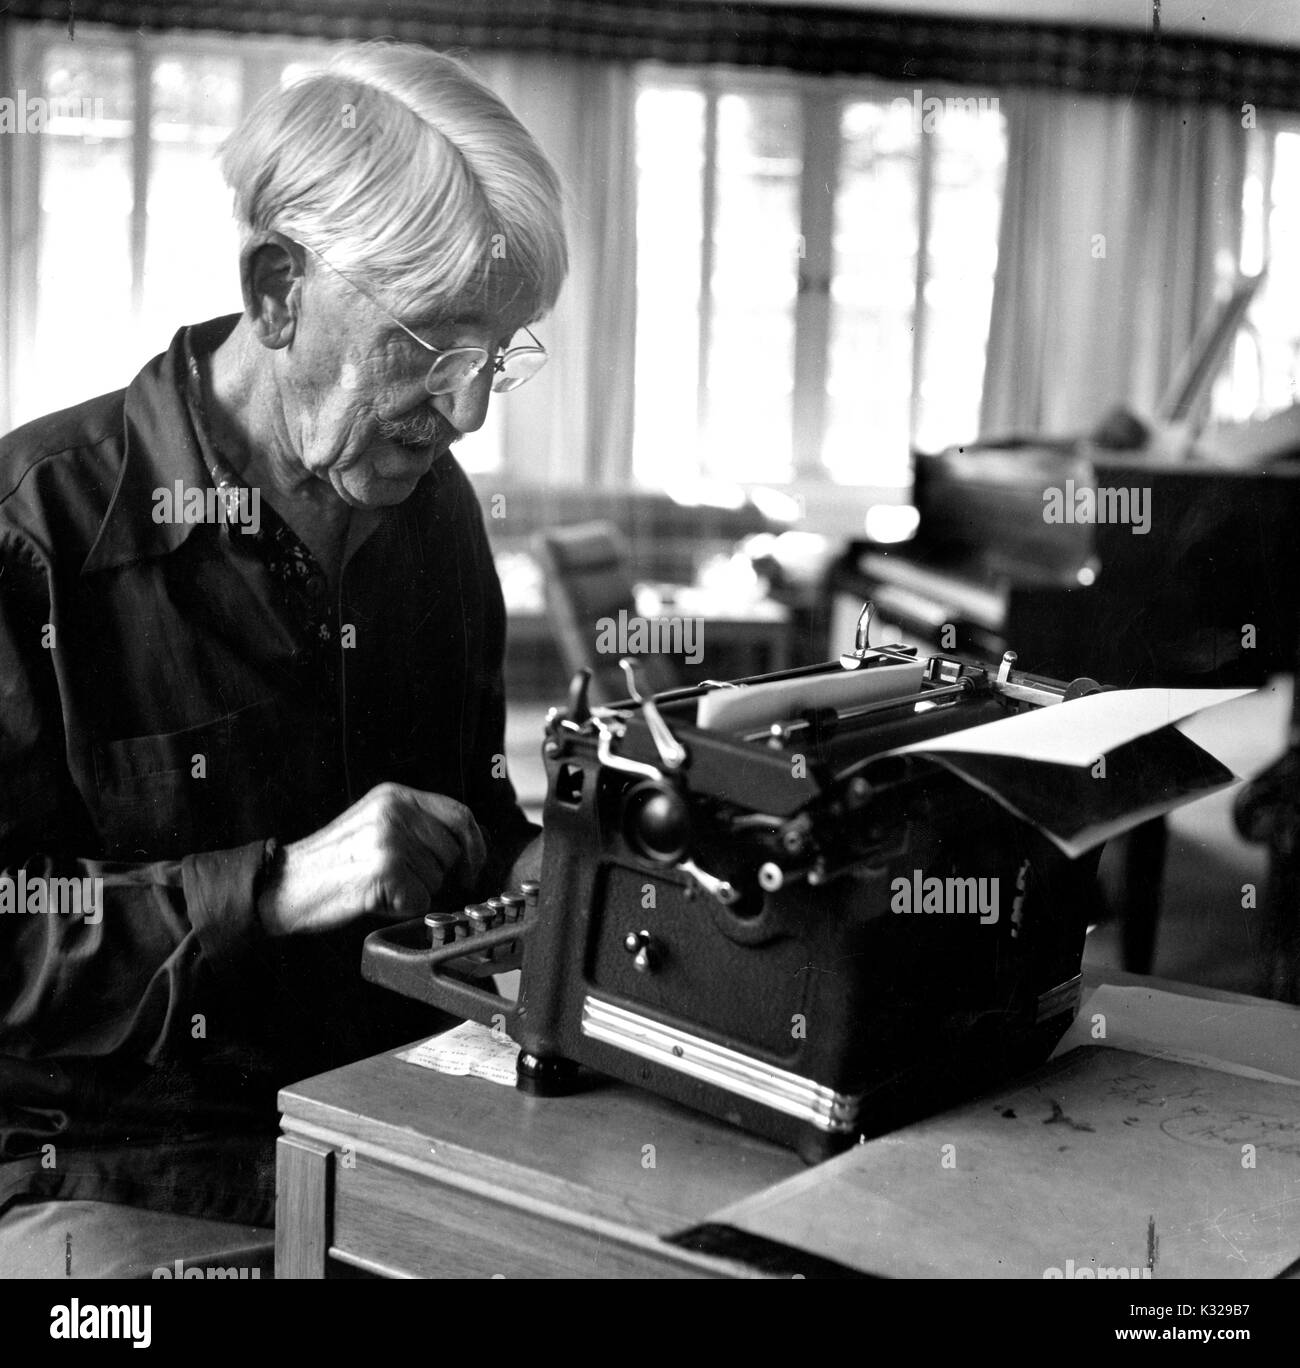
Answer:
(458, 368)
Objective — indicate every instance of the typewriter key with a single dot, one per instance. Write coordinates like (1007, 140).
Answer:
(532, 891)
(481, 918)
(442, 927)
(514, 906)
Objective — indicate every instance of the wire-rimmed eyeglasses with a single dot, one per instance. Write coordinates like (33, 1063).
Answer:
(455, 367)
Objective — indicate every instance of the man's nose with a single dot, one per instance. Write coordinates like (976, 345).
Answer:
(466, 408)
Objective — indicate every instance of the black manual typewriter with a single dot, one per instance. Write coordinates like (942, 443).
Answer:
(768, 900)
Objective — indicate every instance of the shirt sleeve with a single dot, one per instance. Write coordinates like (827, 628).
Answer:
(97, 958)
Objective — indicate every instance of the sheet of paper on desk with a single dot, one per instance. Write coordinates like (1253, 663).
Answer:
(1255, 1038)
(1103, 1160)
(469, 1048)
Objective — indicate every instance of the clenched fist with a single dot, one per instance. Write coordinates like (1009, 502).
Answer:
(389, 854)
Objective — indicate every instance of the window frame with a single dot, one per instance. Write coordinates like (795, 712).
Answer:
(23, 56)
(822, 100)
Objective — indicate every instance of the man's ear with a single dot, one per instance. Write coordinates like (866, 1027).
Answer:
(271, 272)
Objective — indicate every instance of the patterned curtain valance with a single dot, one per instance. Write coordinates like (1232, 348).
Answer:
(908, 48)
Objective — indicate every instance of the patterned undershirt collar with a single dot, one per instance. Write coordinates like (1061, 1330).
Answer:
(286, 557)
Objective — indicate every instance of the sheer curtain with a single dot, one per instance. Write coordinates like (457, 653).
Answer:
(1121, 221)
(574, 424)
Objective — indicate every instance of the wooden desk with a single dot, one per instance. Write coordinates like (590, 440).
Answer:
(406, 1172)
(401, 1171)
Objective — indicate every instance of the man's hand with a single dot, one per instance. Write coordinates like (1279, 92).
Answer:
(387, 854)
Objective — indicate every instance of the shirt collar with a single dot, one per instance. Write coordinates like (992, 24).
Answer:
(160, 447)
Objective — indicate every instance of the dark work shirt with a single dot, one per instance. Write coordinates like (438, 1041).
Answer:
(171, 695)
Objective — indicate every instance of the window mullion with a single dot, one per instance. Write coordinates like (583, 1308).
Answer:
(9, 339)
(709, 192)
(27, 54)
(141, 156)
(1266, 179)
(924, 200)
(259, 72)
(817, 189)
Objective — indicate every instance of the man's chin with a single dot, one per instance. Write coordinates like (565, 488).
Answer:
(380, 483)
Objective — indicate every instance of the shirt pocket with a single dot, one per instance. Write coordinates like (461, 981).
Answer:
(177, 793)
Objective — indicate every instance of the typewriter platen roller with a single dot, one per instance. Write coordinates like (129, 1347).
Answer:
(752, 903)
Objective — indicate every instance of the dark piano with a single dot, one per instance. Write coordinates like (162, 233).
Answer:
(1208, 594)
(1202, 589)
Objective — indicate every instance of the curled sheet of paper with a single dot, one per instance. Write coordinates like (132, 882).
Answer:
(469, 1048)
(1079, 808)
(1080, 731)
(1089, 770)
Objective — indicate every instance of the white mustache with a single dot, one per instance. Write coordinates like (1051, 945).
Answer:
(419, 430)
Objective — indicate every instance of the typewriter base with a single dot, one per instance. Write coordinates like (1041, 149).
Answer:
(980, 1061)
(546, 1075)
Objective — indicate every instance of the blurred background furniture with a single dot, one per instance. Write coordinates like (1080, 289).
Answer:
(588, 576)
(1267, 811)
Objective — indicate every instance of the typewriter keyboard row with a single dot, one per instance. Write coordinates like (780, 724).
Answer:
(477, 918)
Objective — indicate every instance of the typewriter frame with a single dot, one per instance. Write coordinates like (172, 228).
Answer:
(714, 922)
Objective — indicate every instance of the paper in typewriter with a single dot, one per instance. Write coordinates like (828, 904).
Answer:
(1076, 733)
(1043, 765)
(1107, 1160)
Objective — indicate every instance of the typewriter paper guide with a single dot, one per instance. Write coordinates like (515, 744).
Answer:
(1043, 765)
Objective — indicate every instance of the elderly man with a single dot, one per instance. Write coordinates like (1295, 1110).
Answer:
(250, 667)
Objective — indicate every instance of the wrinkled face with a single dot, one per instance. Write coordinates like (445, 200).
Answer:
(361, 417)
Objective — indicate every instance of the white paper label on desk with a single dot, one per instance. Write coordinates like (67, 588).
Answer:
(469, 1048)
(1077, 732)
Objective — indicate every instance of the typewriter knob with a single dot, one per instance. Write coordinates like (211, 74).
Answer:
(1080, 688)
(657, 822)
(645, 954)
(771, 877)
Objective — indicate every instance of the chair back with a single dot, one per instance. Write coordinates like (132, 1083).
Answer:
(589, 583)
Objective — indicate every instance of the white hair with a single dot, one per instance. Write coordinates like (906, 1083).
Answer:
(399, 166)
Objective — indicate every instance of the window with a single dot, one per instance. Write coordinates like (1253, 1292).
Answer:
(1262, 375)
(815, 275)
(122, 219)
